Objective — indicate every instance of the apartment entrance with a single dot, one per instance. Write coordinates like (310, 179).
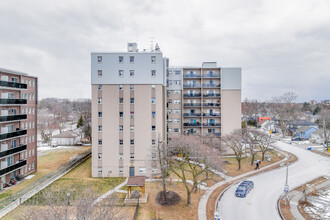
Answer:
(131, 171)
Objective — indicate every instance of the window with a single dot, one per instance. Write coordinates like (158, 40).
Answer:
(142, 170)
(121, 170)
(176, 120)
(121, 73)
(153, 59)
(169, 111)
(177, 72)
(153, 142)
(121, 100)
(99, 100)
(100, 114)
(99, 169)
(132, 141)
(32, 138)
(153, 100)
(99, 73)
(99, 59)
(121, 156)
(176, 130)
(121, 142)
(153, 87)
(100, 142)
(121, 59)
(177, 101)
(169, 120)
(153, 128)
(132, 128)
(153, 114)
(29, 82)
(153, 73)
(131, 156)
(177, 92)
(177, 111)
(177, 82)
(132, 101)
(131, 59)
(121, 127)
(169, 100)
(131, 73)
(169, 130)
(131, 87)
(33, 83)
(132, 114)
(121, 87)
(99, 87)
(32, 110)
(32, 165)
(153, 155)
(99, 156)
(100, 128)
(121, 114)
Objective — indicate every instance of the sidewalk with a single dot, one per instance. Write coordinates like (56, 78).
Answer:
(202, 206)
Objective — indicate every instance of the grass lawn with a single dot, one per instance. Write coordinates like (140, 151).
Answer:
(232, 166)
(46, 164)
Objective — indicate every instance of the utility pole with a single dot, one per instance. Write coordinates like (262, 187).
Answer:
(324, 144)
(286, 187)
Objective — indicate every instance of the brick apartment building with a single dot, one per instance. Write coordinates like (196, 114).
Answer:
(18, 120)
(137, 99)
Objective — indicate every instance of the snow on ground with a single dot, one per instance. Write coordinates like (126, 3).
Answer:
(45, 149)
(319, 207)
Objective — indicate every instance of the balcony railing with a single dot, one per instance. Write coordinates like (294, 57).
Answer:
(12, 117)
(211, 114)
(213, 75)
(192, 115)
(212, 124)
(12, 150)
(211, 85)
(211, 104)
(211, 95)
(13, 84)
(192, 85)
(192, 95)
(12, 134)
(13, 101)
(13, 167)
(197, 124)
(192, 104)
(192, 76)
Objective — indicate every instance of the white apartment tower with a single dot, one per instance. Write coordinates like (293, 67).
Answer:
(138, 100)
(128, 110)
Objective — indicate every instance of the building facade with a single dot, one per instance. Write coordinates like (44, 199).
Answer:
(137, 100)
(18, 119)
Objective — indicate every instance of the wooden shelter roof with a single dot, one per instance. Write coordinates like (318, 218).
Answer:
(136, 181)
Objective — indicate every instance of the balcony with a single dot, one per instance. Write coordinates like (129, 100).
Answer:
(187, 124)
(213, 134)
(211, 85)
(12, 118)
(13, 85)
(192, 115)
(12, 151)
(13, 167)
(13, 101)
(213, 95)
(191, 85)
(213, 75)
(192, 104)
(211, 114)
(192, 76)
(211, 104)
(12, 134)
(187, 95)
(212, 124)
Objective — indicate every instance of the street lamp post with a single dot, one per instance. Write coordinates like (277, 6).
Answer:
(286, 187)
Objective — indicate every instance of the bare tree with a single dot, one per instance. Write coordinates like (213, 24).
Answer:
(192, 162)
(54, 204)
(284, 109)
(264, 143)
(234, 142)
(162, 162)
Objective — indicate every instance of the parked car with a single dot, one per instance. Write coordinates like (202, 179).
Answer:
(297, 139)
(244, 188)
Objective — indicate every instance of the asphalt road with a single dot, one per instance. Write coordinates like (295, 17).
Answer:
(261, 202)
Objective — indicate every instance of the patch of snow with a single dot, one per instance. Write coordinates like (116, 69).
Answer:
(320, 204)
(29, 177)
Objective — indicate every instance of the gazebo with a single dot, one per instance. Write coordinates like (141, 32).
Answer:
(136, 181)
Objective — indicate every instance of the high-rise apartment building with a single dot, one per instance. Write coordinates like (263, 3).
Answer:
(18, 120)
(137, 100)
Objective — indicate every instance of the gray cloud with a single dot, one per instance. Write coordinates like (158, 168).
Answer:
(281, 45)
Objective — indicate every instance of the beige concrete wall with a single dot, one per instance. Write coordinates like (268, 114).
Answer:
(230, 111)
(142, 123)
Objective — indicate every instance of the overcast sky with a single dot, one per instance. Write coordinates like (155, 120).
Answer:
(281, 45)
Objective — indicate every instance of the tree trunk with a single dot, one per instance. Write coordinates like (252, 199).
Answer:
(252, 159)
(188, 198)
(207, 173)
(263, 156)
(164, 187)
(239, 164)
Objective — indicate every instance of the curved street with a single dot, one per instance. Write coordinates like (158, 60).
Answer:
(261, 202)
